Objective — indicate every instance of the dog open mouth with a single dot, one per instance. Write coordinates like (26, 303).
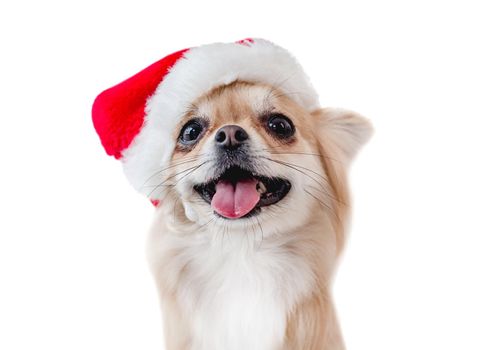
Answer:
(239, 193)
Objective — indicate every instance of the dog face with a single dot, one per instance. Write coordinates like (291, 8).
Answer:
(248, 157)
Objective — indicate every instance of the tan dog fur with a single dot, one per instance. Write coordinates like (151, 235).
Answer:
(325, 142)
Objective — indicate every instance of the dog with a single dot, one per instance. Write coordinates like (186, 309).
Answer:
(249, 180)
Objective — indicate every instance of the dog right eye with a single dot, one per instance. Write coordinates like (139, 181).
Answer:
(280, 126)
(191, 132)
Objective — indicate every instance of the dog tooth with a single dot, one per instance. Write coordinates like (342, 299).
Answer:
(261, 188)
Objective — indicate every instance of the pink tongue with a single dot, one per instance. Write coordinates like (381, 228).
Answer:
(234, 201)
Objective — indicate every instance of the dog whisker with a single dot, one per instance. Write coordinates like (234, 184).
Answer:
(187, 172)
(225, 231)
(261, 231)
(304, 168)
(322, 203)
(296, 167)
(325, 189)
(207, 223)
(163, 185)
(168, 178)
(302, 153)
(173, 165)
(329, 195)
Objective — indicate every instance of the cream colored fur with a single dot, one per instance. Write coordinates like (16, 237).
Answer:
(261, 283)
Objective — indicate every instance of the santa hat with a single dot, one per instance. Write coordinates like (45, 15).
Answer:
(135, 119)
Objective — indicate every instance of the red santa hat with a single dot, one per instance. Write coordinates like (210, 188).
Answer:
(136, 119)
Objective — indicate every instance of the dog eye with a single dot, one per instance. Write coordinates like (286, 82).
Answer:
(280, 125)
(191, 132)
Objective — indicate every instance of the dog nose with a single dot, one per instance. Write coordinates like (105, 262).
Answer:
(231, 136)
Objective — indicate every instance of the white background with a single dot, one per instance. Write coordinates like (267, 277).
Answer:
(72, 269)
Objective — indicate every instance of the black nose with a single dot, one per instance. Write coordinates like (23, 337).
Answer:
(231, 136)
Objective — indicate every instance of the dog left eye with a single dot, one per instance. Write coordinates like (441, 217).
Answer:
(281, 126)
(191, 132)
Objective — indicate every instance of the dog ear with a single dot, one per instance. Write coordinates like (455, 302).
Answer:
(345, 130)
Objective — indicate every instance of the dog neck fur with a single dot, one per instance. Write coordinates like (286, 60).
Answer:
(245, 290)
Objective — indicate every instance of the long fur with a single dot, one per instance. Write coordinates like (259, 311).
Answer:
(261, 283)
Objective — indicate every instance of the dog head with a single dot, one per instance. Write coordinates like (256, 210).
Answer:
(247, 156)
(231, 137)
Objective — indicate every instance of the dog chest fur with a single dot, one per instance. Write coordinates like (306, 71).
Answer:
(233, 293)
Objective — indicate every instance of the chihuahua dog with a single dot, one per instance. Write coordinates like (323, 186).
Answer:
(248, 174)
